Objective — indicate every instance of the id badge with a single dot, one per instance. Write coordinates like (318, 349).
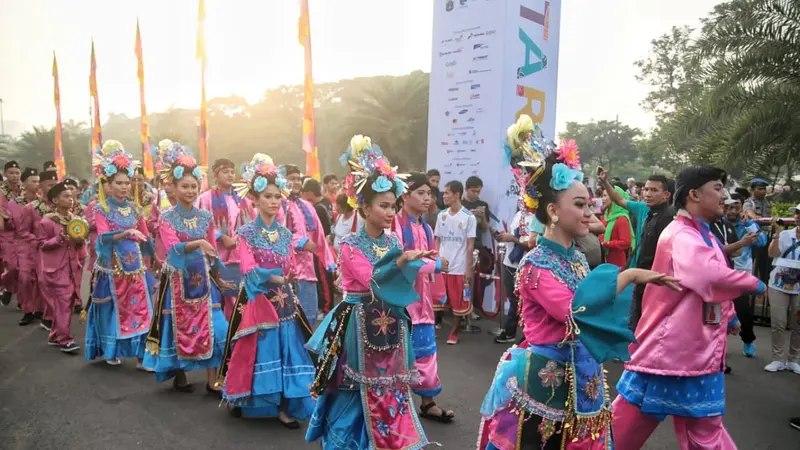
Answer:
(712, 313)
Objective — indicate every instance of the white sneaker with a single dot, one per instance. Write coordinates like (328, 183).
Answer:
(794, 367)
(775, 366)
(113, 362)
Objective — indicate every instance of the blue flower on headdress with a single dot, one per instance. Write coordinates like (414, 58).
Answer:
(281, 183)
(563, 177)
(197, 173)
(381, 184)
(177, 172)
(110, 170)
(131, 171)
(400, 187)
(260, 184)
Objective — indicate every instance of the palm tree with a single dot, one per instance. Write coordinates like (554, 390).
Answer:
(748, 116)
(36, 146)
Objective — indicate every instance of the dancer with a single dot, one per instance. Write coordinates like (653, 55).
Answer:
(267, 370)
(365, 354)
(164, 199)
(120, 308)
(415, 234)
(188, 329)
(10, 190)
(61, 268)
(549, 392)
(32, 215)
(300, 218)
(676, 366)
(223, 204)
(26, 253)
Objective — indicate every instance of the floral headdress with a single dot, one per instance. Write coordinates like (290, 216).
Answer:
(366, 160)
(175, 160)
(256, 173)
(526, 150)
(108, 161)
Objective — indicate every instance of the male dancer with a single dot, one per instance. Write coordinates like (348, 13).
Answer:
(677, 363)
(223, 203)
(415, 234)
(301, 219)
(10, 190)
(27, 256)
(32, 215)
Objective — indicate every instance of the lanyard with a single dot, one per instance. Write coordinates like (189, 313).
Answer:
(724, 232)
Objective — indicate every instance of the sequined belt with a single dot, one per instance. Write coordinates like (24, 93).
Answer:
(169, 311)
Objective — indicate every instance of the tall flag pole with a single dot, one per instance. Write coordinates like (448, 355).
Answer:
(144, 133)
(58, 151)
(309, 123)
(201, 55)
(97, 131)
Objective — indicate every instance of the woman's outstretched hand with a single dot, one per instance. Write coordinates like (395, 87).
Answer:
(642, 276)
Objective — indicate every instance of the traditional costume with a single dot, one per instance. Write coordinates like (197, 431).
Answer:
(366, 357)
(121, 307)
(61, 271)
(550, 391)
(415, 234)
(266, 366)
(25, 253)
(301, 219)
(188, 329)
(8, 260)
(676, 367)
(160, 201)
(32, 215)
(224, 208)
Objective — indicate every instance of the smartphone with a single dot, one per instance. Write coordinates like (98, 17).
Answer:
(599, 170)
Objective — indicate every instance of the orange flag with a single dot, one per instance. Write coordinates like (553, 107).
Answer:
(202, 131)
(58, 151)
(144, 133)
(309, 123)
(97, 131)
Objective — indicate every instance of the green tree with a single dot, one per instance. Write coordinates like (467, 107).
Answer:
(605, 143)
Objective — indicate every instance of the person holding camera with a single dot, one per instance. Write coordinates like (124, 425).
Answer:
(784, 296)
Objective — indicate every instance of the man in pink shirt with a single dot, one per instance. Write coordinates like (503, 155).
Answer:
(676, 368)
(10, 190)
(309, 240)
(224, 205)
(415, 234)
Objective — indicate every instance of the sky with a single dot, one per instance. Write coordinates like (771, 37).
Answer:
(252, 46)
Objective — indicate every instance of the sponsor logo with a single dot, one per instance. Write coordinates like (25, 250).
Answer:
(475, 86)
(480, 47)
(445, 143)
(451, 52)
(450, 74)
(475, 97)
(449, 5)
(471, 119)
(452, 99)
(458, 83)
(473, 71)
(460, 38)
(479, 111)
(447, 113)
(455, 121)
(464, 106)
(462, 2)
(463, 111)
(462, 133)
(452, 63)
(447, 41)
(453, 89)
(481, 34)
(481, 58)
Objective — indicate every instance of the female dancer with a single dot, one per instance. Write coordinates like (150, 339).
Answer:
(188, 328)
(267, 370)
(366, 359)
(550, 392)
(120, 307)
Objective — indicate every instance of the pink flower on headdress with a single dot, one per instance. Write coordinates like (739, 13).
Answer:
(383, 167)
(186, 161)
(266, 169)
(349, 185)
(121, 161)
(568, 154)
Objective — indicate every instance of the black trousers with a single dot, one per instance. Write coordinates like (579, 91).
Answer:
(636, 307)
(744, 311)
(509, 275)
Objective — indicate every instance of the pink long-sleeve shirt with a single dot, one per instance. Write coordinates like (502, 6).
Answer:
(291, 216)
(61, 260)
(224, 225)
(421, 312)
(672, 336)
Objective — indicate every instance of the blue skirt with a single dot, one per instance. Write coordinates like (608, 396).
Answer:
(282, 375)
(339, 421)
(660, 396)
(167, 362)
(102, 339)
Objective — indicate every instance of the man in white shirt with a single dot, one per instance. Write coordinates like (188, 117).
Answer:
(517, 244)
(455, 241)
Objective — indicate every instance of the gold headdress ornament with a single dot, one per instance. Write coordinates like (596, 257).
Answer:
(175, 160)
(365, 160)
(256, 173)
(107, 162)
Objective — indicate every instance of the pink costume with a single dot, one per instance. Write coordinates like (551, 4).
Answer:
(61, 273)
(9, 268)
(416, 234)
(676, 367)
(301, 219)
(26, 257)
(32, 215)
(224, 208)
(89, 215)
(159, 206)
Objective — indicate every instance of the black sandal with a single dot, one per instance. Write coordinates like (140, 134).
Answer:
(444, 417)
(186, 388)
(213, 392)
(235, 412)
(293, 425)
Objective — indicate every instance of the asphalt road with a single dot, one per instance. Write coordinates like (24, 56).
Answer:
(49, 400)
